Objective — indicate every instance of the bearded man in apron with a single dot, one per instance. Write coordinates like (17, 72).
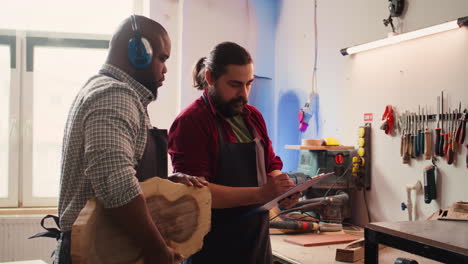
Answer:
(110, 145)
(224, 140)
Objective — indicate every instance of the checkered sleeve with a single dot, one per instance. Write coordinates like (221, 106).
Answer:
(111, 125)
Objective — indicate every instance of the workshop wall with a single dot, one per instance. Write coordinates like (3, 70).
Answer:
(404, 76)
(194, 28)
(163, 111)
(205, 24)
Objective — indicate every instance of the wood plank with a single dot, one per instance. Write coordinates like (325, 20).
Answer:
(302, 147)
(309, 240)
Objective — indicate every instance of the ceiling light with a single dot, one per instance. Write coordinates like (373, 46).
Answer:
(463, 21)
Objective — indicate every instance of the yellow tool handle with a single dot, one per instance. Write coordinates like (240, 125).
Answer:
(427, 144)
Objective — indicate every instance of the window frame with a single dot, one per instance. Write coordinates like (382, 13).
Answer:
(20, 154)
(9, 38)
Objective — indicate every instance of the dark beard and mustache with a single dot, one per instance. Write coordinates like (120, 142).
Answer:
(151, 86)
(230, 108)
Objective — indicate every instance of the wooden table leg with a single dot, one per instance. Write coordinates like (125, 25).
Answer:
(371, 247)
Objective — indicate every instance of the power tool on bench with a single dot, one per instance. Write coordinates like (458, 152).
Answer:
(328, 200)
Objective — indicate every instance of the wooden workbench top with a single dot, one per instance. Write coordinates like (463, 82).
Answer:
(295, 254)
(450, 235)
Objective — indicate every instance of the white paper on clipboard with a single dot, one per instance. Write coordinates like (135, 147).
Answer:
(299, 188)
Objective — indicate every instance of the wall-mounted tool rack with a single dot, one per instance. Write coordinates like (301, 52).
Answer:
(446, 138)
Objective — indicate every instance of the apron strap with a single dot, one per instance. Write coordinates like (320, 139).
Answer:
(260, 155)
(51, 232)
(220, 132)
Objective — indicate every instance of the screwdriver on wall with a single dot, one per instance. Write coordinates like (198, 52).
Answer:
(442, 135)
(401, 122)
(406, 141)
(427, 138)
(437, 130)
(449, 154)
(416, 137)
(412, 138)
(447, 134)
(403, 134)
(466, 155)
(409, 144)
(420, 131)
(454, 131)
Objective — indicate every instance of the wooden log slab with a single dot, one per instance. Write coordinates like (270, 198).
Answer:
(181, 213)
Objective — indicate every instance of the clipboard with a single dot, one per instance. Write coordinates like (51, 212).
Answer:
(299, 188)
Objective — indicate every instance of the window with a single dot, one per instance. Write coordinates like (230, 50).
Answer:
(4, 113)
(48, 49)
(8, 119)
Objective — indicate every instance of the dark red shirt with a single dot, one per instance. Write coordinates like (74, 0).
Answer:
(194, 141)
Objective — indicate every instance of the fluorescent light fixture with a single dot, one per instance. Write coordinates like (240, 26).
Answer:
(463, 21)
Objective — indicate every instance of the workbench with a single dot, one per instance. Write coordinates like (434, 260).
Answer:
(445, 241)
(287, 253)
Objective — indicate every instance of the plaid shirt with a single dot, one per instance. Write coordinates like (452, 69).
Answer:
(105, 136)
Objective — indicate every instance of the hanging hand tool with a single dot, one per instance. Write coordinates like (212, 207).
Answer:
(461, 128)
(406, 141)
(466, 155)
(442, 135)
(402, 126)
(437, 130)
(427, 138)
(411, 137)
(449, 154)
(409, 146)
(415, 138)
(402, 131)
(430, 191)
(457, 129)
(454, 130)
(421, 131)
(403, 146)
(447, 132)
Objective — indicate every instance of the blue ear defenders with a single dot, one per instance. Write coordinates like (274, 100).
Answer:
(140, 52)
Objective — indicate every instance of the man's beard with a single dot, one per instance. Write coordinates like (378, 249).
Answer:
(150, 84)
(231, 108)
(152, 87)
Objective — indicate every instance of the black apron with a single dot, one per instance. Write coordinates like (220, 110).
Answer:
(233, 238)
(153, 163)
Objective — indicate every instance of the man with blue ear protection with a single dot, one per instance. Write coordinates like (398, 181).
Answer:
(109, 144)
